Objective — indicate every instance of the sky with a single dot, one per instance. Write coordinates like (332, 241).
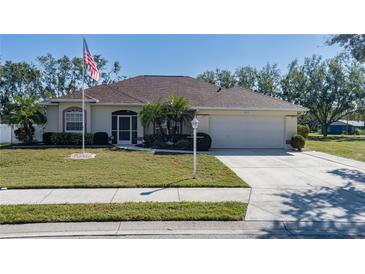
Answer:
(172, 54)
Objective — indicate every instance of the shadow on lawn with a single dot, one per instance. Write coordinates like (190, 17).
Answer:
(328, 211)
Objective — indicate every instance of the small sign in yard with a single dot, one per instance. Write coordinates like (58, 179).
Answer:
(82, 156)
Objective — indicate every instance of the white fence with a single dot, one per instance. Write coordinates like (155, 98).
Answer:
(7, 135)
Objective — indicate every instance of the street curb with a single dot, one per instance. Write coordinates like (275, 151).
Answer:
(254, 229)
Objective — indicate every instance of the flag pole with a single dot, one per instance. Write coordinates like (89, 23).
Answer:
(83, 97)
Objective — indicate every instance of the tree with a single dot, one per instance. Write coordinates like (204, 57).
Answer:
(172, 112)
(221, 78)
(25, 112)
(154, 113)
(247, 77)
(354, 43)
(207, 76)
(333, 88)
(64, 75)
(268, 80)
(293, 83)
(19, 79)
(225, 79)
(176, 112)
(60, 76)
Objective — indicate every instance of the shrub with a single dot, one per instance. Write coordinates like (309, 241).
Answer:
(359, 131)
(100, 138)
(303, 130)
(153, 140)
(22, 135)
(298, 142)
(67, 138)
(204, 142)
(184, 144)
(47, 138)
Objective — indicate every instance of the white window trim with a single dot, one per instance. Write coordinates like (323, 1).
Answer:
(66, 130)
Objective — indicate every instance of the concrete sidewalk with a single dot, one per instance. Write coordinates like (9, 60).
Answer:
(120, 195)
(198, 229)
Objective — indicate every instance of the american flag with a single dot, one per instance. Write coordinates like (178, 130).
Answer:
(89, 61)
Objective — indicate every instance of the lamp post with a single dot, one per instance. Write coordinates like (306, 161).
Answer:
(194, 124)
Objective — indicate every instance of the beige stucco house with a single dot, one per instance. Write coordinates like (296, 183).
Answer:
(234, 118)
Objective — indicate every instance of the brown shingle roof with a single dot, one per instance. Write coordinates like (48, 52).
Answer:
(241, 98)
(143, 89)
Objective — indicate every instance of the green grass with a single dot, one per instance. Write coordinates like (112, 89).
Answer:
(148, 211)
(50, 168)
(351, 149)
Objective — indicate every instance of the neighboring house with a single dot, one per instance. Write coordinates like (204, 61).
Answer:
(344, 126)
(234, 118)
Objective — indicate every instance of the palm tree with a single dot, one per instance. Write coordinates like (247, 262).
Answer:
(177, 110)
(25, 112)
(154, 113)
(173, 112)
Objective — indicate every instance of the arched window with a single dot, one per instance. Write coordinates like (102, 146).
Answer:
(72, 118)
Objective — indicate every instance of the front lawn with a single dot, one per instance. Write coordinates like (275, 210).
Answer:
(352, 149)
(49, 168)
(173, 211)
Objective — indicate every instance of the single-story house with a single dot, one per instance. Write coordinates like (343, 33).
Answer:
(234, 118)
(344, 126)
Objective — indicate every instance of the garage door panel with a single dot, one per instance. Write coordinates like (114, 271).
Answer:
(247, 132)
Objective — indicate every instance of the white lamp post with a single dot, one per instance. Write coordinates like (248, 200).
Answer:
(194, 124)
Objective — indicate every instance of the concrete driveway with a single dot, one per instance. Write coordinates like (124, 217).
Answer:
(305, 187)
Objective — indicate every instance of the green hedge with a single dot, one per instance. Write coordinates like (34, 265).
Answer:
(101, 138)
(182, 142)
(298, 142)
(68, 138)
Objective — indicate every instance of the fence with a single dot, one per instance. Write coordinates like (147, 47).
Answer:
(7, 135)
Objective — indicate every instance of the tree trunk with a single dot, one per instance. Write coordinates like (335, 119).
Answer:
(325, 130)
(161, 129)
(29, 133)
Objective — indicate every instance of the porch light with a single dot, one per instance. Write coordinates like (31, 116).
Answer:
(194, 124)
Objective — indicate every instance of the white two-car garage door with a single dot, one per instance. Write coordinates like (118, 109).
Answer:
(247, 132)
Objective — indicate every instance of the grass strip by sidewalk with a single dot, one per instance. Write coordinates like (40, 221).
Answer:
(143, 211)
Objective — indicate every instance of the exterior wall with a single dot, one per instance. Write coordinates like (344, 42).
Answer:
(101, 118)
(98, 118)
(290, 128)
(52, 119)
(64, 106)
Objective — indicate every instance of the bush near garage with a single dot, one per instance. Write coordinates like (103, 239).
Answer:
(297, 142)
(303, 130)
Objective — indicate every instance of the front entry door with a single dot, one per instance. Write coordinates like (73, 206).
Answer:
(124, 129)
